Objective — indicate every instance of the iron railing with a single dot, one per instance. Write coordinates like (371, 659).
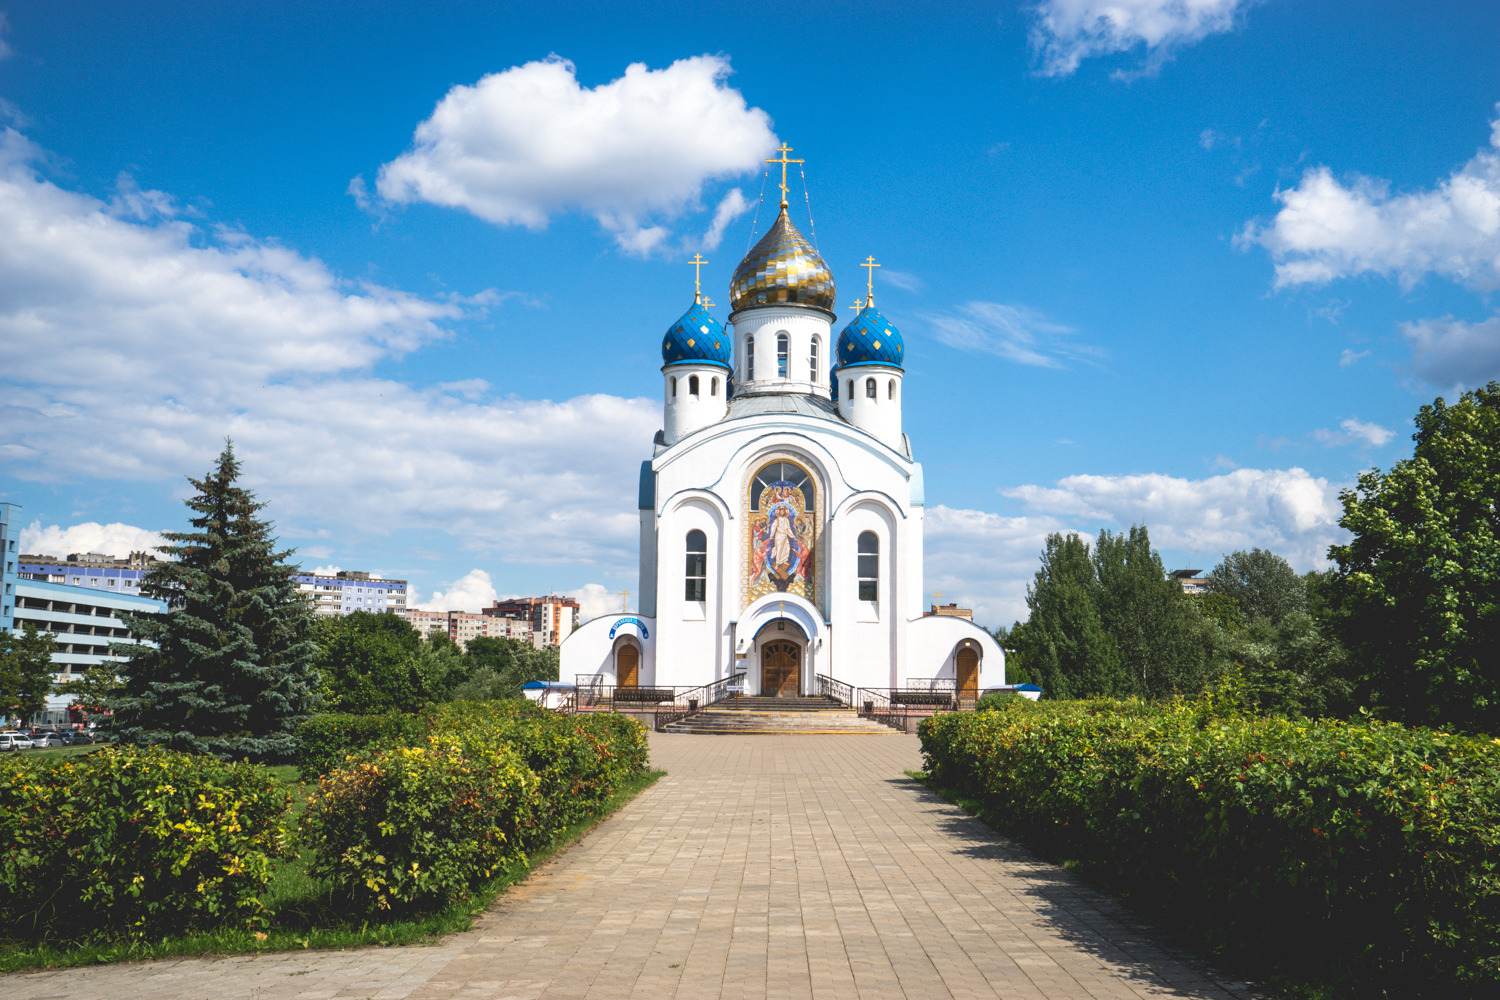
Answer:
(690, 701)
(876, 704)
(829, 687)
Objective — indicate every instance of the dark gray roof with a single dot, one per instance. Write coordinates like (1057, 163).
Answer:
(755, 404)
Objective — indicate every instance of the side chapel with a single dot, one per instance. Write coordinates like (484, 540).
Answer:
(781, 510)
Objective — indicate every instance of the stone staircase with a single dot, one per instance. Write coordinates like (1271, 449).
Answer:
(778, 715)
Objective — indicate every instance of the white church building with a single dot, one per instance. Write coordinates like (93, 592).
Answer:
(781, 508)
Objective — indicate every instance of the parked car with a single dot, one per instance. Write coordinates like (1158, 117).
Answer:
(15, 741)
(47, 738)
(77, 738)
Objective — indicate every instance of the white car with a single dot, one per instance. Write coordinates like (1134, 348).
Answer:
(15, 741)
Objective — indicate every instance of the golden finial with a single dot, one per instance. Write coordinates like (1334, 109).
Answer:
(707, 303)
(624, 594)
(870, 267)
(697, 263)
(938, 597)
(783, 150)
(858, 305)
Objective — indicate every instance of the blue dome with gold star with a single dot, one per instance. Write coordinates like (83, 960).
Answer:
(698, 338)
(870, 339)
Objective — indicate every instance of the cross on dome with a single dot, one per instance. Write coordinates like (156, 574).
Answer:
(697, 263)
(783, 150)
(869, 265)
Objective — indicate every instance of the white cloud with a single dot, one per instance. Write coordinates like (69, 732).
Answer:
(5, 50)
(530, 142)
(1354, 432)
(903, 280)
(193, 335)
(733, 205)
(595, 601)
(1450, 353)
(118, 540)
(1018, 333)
(1286, 510)
(984, 561)
(1327, 229)
(471, 592)
(1066, 32)
(1350, 357)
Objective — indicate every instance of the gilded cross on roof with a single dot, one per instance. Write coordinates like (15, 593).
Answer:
(869, 265)
(858, 305)
(783, 150)
(697, 263)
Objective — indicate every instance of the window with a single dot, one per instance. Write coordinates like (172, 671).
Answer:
(783, 344)
(674, 386)
(714, 388)
(692, 385)
(869, 566)
(749, 359)
(869, 388)
(890, 392)
(697, 566)
(812, 361)
(850, 393)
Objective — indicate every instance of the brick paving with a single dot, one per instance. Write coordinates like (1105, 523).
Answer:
(761, 866)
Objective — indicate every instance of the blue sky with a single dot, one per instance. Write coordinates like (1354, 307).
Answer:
(1193, 264)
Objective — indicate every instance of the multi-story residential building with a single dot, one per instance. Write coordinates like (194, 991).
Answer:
(9, 568)
(348, 591)
(90, 569)
(84, 621)
(1188, 580)
(552, 617)
(461, 626)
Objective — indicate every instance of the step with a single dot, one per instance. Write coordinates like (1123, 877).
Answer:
(748, 721)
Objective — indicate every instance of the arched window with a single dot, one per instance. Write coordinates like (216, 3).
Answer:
(812, 361)
(674, 386)
(890, 392)
(851, 390)
(692, 385)
(697, 566)
(714, 386)
(869, 566)
(750, 358)
(870, 388)
(783, 345)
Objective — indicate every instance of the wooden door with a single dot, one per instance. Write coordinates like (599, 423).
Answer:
(627, 666)
(780, 669)
(968, 676)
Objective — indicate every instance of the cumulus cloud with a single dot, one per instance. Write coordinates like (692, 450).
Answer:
(471, 592)
(1351, 357)
(193, 334)
(530, 142)
(116, 539)
(1017, 333)
(1450, 353)
(733, 205)
(984, 561)
(595, 601)
(1355, 432)
(1327, 229)
(1066, 32)
(1286, 510)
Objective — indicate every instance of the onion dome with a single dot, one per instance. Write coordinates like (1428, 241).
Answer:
(696, 337)
(870, 339)
(782, 269)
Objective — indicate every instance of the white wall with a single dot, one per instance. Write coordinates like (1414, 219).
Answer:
(880, 416)
(685, 411)
(801, 326)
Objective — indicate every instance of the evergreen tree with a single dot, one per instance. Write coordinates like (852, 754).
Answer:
(227, 668)
(25, 671)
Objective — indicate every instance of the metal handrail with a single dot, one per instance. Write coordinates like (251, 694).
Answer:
(691, 701)
(875, 704)
(839, 691)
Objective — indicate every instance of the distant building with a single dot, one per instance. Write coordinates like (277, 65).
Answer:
(552, 617)
(9, 568)
(1188, 580)
(461, 626)
(348, 591)
(951, 611)
(91, 569)
(84, 621)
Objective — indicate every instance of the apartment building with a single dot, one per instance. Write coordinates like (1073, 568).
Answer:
(461, 626)
(348, 591)
(552, 617)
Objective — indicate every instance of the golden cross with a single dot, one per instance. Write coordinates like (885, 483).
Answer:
(858, 305)
(783, 150)
(869, 265)
(697, 263)
(624, 605)
(707, 303)
(937, 595)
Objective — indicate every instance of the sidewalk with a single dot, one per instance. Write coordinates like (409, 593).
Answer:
(761, 866)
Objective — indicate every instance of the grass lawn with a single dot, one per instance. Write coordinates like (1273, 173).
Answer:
(303, 914)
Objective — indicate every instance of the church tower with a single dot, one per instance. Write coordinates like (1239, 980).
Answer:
(867, 371)
(695, 369)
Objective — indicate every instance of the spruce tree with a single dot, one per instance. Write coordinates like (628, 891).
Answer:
(228, 667)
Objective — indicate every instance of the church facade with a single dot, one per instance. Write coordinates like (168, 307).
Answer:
(781, 508)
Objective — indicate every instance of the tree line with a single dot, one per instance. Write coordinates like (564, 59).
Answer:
(1405, 624)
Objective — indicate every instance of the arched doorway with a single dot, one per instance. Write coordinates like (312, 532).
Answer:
(627, 666)
(781, 645)
(966, 673)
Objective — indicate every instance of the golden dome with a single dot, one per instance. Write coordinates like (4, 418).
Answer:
(782, 269)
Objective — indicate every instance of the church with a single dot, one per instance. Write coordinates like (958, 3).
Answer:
(781, 508)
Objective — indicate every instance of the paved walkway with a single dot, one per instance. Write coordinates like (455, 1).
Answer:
(761, 866)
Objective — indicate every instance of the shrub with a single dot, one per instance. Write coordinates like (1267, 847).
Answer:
(1360, 855)
(419, 826)
(329, 739)
(135, 841)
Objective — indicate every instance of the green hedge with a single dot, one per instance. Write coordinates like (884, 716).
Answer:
(1362, 856)
(135, 842)
(330, 739)
(421, 826)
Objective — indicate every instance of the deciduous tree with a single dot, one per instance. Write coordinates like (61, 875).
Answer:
(25, 671)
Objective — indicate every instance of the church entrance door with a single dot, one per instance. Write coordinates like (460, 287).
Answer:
(780, 669)
(968, 676)
(627, 666)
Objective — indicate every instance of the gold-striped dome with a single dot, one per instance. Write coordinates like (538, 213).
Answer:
(782, 269)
